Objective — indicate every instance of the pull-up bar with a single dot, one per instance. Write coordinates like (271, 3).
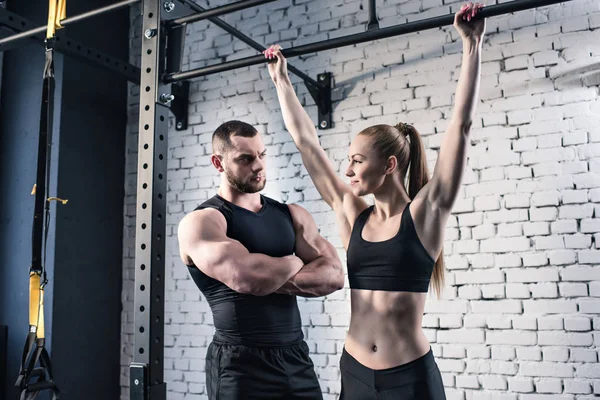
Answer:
(69, 20)
(373, 34)
(249, 41)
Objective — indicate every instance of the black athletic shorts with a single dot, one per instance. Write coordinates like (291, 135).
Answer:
(417, 380)
(239, 372)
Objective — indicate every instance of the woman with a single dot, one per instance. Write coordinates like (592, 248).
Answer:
(392, 247)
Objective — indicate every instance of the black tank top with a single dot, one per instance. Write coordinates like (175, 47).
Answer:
(244, 319)
(398, 264)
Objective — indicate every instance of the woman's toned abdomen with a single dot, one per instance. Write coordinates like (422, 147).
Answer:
(385, 328)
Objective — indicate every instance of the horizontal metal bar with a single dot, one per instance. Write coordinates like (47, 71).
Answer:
(98, 11)
(249, 41)
(69, 47)
(214, 12)
(375, 34)
(67, 21)
(22, 35)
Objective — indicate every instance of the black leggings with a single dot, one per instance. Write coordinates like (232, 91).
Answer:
(417, 380)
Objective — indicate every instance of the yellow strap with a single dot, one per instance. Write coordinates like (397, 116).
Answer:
(64, 201)
(57, 11)
(62, 11)
(51, 28)
(34, 298)
(36, 304)
(41, 331)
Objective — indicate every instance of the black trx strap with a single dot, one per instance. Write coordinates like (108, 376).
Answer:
(35, 374)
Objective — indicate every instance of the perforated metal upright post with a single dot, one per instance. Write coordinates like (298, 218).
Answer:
(146, 370)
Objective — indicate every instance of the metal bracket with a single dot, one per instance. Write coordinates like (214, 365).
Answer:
(373, 23)
(322, 97)
(139, 386)
(180, 104)
(138, 381)
(175, 47)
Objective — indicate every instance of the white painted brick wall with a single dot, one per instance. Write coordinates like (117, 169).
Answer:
(519, 317)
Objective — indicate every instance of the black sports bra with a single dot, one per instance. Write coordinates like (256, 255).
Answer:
(397, 264)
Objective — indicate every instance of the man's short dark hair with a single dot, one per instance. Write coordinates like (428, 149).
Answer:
(221, 139)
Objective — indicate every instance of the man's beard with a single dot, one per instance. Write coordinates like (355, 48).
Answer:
(244, 187)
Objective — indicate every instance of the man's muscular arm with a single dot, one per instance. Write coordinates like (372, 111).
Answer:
(322, 273)
(203, 241)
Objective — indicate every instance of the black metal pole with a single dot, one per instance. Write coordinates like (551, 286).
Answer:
(375, 34)
(373, 23)
(250, 42)
(214, 12)
(70, 20)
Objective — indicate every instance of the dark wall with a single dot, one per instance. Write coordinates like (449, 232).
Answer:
(19, 121)
(83, 302)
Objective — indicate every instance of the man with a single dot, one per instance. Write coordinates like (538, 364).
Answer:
(251, 256)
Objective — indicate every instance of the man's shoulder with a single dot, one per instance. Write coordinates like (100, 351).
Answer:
(212, 202)
(210, 211)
